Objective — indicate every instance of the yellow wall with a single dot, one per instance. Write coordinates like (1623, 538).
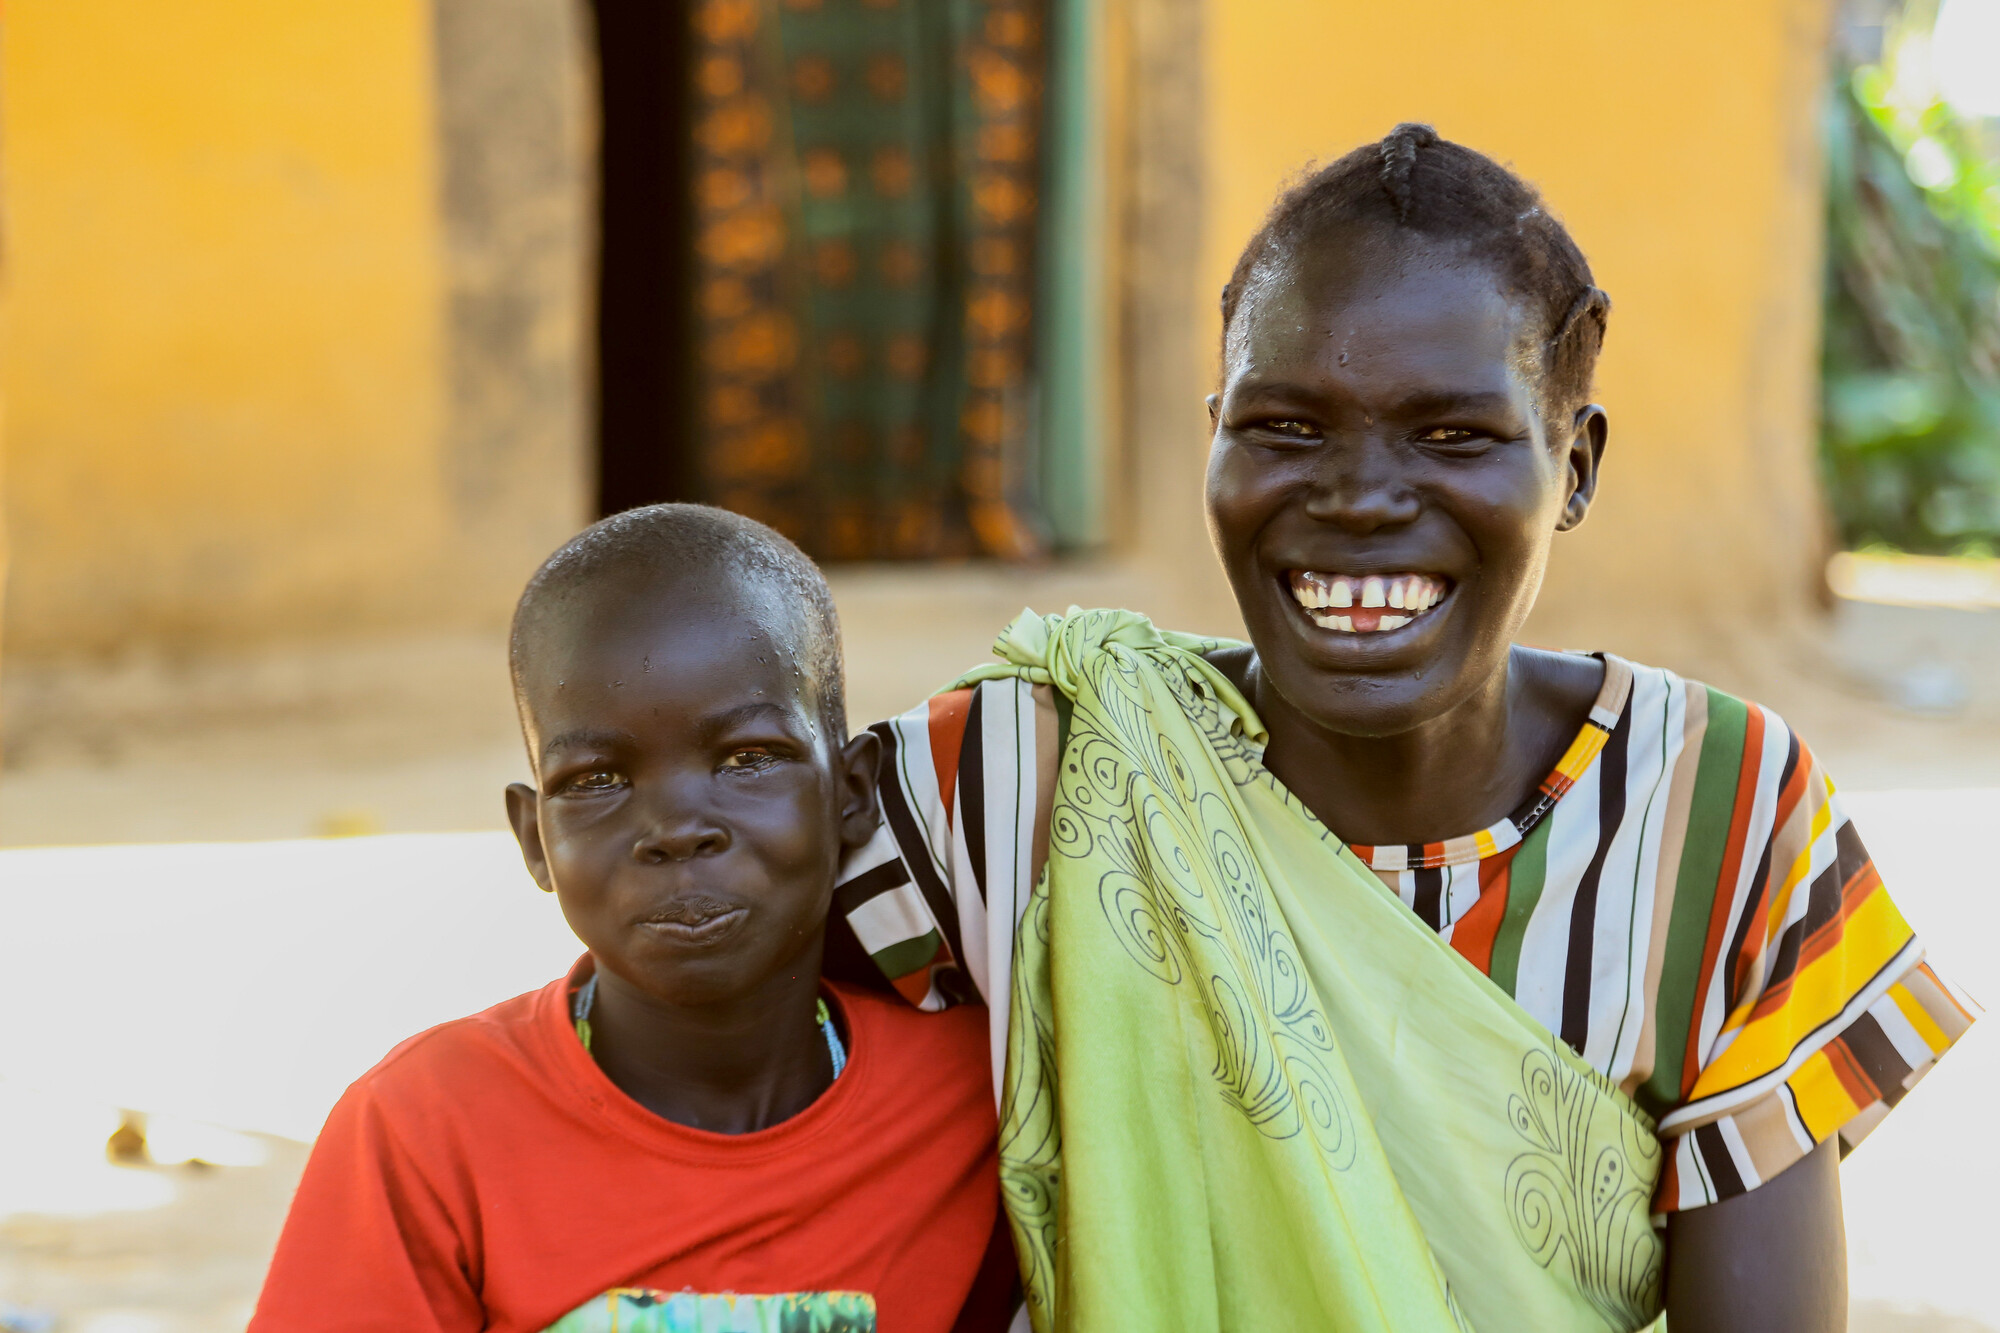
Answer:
(228, 357)
(1677, 142)
(222, 369)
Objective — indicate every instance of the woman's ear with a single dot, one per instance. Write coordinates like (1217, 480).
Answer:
(855, 768)
(1582, 459)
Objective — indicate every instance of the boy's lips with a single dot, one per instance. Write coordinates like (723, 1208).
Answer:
(697, 926)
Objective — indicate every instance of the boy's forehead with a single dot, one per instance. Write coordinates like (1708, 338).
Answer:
(673, 630)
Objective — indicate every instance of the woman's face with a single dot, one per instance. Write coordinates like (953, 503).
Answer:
(1381, 487)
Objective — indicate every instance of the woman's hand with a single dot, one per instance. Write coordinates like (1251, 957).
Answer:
(1773, 1260)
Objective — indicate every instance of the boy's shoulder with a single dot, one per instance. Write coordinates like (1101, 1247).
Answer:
(898, 1020)
(465, 1055)
(915, 1046)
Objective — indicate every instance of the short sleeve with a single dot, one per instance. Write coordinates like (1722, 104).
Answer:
(1828, 1012)
(369, 1242)
(966, 783)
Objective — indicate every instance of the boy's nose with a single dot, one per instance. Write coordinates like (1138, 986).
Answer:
(679, 839)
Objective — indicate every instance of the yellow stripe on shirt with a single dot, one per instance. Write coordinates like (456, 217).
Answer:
(1873, 934)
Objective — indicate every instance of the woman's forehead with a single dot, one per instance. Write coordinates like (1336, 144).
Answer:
(1426, 312)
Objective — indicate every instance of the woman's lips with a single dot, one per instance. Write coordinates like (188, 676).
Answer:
(1365, 603)
(697, 930)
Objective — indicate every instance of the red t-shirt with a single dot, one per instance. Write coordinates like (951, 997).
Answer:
(488, 1175)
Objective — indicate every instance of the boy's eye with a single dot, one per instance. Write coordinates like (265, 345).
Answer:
(750, 757)
(1449, 435)
(1289, 428)
(602, 779)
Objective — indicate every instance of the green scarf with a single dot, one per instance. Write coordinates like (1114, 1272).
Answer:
(1246, 1088)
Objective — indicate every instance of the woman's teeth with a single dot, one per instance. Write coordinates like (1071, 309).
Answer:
(1365, 603)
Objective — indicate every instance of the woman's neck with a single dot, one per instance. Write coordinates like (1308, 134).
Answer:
(1456, 774)
(732, 1067)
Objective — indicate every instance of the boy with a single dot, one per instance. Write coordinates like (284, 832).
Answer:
(690, 1130)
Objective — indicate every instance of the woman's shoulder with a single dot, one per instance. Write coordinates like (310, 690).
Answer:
(1235, 661)
(1720, 722)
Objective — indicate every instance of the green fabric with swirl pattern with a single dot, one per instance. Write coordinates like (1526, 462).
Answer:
(1247, 1088)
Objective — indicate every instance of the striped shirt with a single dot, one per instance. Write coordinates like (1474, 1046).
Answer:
(1682, 900)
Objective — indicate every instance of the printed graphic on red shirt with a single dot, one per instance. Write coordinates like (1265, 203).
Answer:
(637, 1310)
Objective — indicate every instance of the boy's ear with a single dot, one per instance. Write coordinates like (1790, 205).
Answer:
(1583, 458)
(525, 815)
(856, 768)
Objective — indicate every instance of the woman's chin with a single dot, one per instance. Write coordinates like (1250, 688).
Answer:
(1360, 683)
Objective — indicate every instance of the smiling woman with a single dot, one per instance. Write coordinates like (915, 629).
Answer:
(1563, 971)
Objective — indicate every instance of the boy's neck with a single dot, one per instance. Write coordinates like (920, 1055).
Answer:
(730, 1068)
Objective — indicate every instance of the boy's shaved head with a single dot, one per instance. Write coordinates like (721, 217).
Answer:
(673, 544)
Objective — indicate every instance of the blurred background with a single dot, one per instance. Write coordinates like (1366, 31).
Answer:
(325, 322)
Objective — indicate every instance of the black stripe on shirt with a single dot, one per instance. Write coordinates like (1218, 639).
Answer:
(1760, 883)
(1429, 896)
(1722, 1173)
(849, 895)
(972, 788)
(1611, 765)
(1822, 906)
(908, 832)
(1877, 1056)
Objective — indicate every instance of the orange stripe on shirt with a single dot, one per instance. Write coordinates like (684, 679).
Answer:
(1945, 991)
(1475, 932)
(1853, 1078)
(1872, 938)
(914, 986)
(1795, 790)
(1725, 883)
(948, 714)
(1756, 939)
(1822, 941)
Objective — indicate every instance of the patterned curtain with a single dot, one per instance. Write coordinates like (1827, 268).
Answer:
(865, 188)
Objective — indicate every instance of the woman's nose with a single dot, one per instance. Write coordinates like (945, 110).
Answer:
(1359, 487)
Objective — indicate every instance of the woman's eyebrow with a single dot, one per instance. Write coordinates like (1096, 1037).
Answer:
(1273, 387)
(1445, 402)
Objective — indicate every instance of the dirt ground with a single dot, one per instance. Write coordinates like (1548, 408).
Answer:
(192, 1265)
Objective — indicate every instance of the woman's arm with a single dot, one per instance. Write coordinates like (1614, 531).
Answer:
(1773, 1260)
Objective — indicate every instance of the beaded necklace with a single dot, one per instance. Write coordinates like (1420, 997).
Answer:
(586, 996)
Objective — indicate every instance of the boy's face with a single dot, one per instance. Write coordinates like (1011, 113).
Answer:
(690, 809)
(1381, 487)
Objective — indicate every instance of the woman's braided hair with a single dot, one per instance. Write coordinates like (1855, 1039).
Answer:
(1414, 181)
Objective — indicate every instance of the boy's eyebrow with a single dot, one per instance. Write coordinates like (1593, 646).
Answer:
(587, 738)
(763, 708)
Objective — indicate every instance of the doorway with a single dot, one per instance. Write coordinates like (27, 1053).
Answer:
(645, 446)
